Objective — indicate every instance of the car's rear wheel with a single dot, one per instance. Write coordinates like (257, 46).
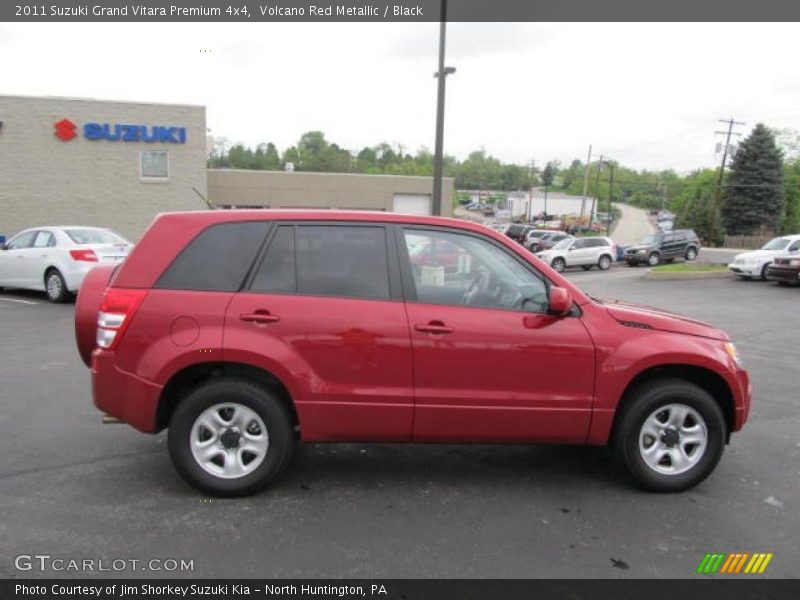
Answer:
(55, 286)
(604, 264)
(653, 259)
(230, 437)
(691, 253)
(670, 435)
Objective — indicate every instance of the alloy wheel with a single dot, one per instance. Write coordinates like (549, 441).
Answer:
(673, 439)
(229, 440)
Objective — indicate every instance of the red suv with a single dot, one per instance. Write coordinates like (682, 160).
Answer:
(245, 332)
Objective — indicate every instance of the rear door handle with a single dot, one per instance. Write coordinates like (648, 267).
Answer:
(435, 327)
(260, 316)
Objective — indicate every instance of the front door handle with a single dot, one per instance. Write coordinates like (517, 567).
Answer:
(435, 327)
(260, 316)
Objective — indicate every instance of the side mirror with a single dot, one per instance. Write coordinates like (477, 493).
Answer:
(560, 301)
(571, 248)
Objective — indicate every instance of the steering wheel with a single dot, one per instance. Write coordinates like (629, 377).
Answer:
(478, 283)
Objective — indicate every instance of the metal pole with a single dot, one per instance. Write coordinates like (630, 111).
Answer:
(610, 199)
(438, 167)
(585, 183)
(596, 190)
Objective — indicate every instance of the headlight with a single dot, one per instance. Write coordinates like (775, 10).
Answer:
(641, 251)
(730, 349)
(795, 262)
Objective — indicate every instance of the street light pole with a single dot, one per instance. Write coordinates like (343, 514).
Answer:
(438, 157)
(610, 198)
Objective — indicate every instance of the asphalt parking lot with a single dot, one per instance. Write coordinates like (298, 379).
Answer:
(74, 488)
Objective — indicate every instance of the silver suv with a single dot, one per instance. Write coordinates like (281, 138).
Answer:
(581, 252)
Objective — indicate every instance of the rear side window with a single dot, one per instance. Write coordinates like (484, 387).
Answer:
(216, 260)
(326, 260)
(276, 273)
(338, 260)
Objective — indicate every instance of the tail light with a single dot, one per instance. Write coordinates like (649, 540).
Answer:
(87, 255)
(116, 312)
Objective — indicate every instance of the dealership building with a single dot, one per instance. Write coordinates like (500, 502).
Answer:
(70, 161)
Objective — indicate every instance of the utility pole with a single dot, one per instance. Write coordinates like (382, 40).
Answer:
(712, 211)
(596, 186)
(610, 198)
(586, 182)
(441, 74)
(530, 196)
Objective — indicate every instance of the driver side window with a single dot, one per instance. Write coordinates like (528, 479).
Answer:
(23, 240)
(459, 269)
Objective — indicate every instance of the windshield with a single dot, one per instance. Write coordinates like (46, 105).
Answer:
(94, 236)
(652, 239)
(563, 244)
(776, 244)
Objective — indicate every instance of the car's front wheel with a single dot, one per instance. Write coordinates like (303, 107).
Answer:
(691, 253)
(764, 271)
(230, 437)
(55, 286)
(558, 264)
(670, 435)
(653, 259)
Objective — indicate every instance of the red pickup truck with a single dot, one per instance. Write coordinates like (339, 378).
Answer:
(246, 332)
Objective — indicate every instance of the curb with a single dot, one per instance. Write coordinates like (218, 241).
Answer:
(674, 275)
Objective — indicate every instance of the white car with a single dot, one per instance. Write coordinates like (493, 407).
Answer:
(56, 259)
(584, 252)
(756, 263)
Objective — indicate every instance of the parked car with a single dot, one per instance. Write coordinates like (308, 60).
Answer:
(533, 237)
(785, 269)
(518, 232)
(585, 252)
(56, 259)
(666, 247)
(247, 332)
(755, 263)
(548, 240)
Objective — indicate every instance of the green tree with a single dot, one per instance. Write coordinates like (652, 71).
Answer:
(755, 192)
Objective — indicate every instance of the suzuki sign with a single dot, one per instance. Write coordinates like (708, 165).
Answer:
(65, 130)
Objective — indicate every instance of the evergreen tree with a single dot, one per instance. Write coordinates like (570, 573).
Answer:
(755, 192)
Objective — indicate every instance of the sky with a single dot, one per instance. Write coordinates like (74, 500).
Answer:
(647, 95)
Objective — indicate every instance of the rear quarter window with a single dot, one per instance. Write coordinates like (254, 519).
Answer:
(218, 259)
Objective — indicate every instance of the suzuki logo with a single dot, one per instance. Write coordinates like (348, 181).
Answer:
(65, 129)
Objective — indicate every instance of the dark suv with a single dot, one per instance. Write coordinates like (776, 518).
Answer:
(664, 247)
(518, 232)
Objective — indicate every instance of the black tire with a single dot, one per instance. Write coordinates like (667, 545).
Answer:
(691, 253)
(55, 287)
(653, 259)
(764, 271)
(644, 401)
(259, 399)
(559, 264)
(587, 267)
(604, 263)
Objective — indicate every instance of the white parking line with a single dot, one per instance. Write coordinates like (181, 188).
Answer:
(18, 301)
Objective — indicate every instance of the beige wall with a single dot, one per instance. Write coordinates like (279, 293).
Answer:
(278, 189)
(47, 181)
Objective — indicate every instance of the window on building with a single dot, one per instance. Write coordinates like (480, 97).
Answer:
(154, 164)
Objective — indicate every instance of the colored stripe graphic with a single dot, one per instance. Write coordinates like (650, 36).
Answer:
(721, 562)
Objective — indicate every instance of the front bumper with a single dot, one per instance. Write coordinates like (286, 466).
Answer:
(783, 273)
(749, 270)
(124, 395)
